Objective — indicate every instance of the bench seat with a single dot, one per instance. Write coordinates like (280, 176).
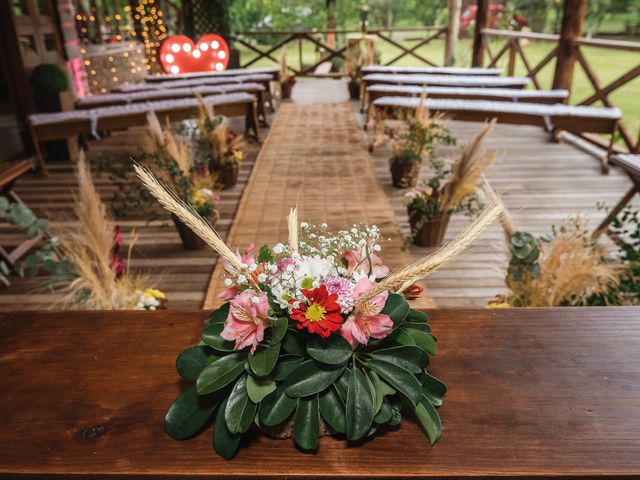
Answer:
(429, 70)
(274, 72)
(485, 81)
(260, 78)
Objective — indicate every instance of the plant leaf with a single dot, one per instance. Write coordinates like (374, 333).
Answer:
(433, 389)
(397, 308)
(276, 407)
(240, 410)
(332, 409)
(384, 413)
(265, 255)
(415, 316)
(258, 388)
(399, 378)
(219, 315)
(412, 359)
(189, 413)
(342, 384)
(211, 336)
(263, 361)
(359, 407)
(310, 378)
(294, 343)
(278, 330)
(423, 340)
(306, 425)
(225, 443)
(220, 373)
(429, 419)
(285, 366)
(334, 350)
(191, 361)
(381, 389)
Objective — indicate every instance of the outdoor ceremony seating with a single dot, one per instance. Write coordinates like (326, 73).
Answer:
(274, 72)
(429, 70)
(53, 126)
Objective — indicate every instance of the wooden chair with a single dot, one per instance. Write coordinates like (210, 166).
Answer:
(630, 164)
(10, 172)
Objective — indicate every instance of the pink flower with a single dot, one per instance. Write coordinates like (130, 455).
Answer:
(357, 262)
(246, 320)
(366, 321)
(228, 293)
(247, 258)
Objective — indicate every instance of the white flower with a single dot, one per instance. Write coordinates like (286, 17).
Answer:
(377, 248)
(242, 279)
(262, 278)
(255, 300)
(228, 282)
(304, 225)
(278, 248)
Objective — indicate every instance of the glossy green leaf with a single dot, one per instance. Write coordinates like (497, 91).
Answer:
(412, 359)
(221, 373)
(342, 384)
(264, 359)
(417, 326)
(211, 336)
(306, 425)
(423, 340)
(399, 378)
(240, 410)
(332, 409)
(294, 343)
(359, 407)
(276, 407)
(265, 255)
(396, 411)
(310, 378)
(225, 443)
(433, 389)
(258, 388)
(403, 337)
(381, 388)
(286, 364)
(429, 419)
(397, 308)
(417, 316)
(191, 361)
(219, 315)
(278, 330)
(189, 413)
(334, 350)
(384, 413)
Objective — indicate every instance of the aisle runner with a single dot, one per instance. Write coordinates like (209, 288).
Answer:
(316, 150)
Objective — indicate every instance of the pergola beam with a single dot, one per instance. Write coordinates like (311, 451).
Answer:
(477, 59)
(572, 25)
(453, 32)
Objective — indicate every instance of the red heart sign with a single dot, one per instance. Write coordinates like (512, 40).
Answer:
(180, 55)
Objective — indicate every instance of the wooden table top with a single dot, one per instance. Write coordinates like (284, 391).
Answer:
(551, 393)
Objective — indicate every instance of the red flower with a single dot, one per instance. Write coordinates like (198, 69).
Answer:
(321, 315)
(412, 292)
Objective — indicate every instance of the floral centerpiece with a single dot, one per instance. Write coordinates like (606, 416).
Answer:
(315, 337)
(430, 205)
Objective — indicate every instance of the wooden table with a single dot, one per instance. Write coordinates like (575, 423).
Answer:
(551, 393)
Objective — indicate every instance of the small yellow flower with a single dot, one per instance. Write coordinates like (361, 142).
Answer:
(155, 293)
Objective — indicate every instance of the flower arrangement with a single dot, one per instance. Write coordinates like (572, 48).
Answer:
(315, 337)
(447, 191)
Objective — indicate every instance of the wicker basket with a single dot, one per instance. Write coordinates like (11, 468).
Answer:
(432, 233)
(191, 241)
(404, 175)
(228, 174)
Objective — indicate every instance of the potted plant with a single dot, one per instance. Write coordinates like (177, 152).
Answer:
(286, 81)
(430, 206)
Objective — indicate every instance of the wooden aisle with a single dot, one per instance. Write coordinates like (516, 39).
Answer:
(314, 153)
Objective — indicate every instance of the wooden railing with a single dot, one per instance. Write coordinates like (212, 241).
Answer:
(255, 42)
(513, 50)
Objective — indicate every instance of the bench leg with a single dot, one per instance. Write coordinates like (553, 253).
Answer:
(251, 121)
(42, 167)
(605, 161)
(262, 114)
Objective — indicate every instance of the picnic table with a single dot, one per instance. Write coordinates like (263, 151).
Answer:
(544, 393)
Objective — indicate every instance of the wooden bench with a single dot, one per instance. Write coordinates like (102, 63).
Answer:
(261, 78)
(10, 172)
(553, 118)
(53, 126)
(534, 393)
(430, 70)
(630, 164)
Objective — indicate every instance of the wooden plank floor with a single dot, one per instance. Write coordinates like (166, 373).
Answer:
(181, 273)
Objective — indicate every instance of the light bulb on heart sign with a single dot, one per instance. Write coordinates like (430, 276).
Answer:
(179, 54)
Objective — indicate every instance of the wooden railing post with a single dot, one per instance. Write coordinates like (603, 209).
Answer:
(572, 23)
(453, 32)
(477, 60)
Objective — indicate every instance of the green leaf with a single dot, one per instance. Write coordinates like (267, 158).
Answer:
(429, 419)
(359, 407)
(240, 410)
(342, 385)
(265, 255)
(332, 409)
(220, 373)
(423, 340)
(399, 378)
(211, 336)
(191, 362)
(397, 308)
(396, 411)
(263, 361)
(285, 366)
(276, 407)
(310, 378)
(334, 350)
(384, 413)
(412, 359)
(225, 443)
(258, 388)
(403, 337)
(417, 326)
(416, 316)
(294, 343)
(189, 413)
(306, 425)
(219, 315)
(381, 389)
(433, 389)
(278, 330)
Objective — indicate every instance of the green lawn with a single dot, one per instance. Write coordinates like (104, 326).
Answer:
(607, 65)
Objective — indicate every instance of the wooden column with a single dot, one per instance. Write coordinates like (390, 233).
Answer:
(453, 32)
(477, 59)
(572, 22)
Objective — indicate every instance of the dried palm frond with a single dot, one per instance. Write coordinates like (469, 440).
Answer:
(506, 220)
(163, 143)
(284, 71)
(466, 172)
(401, 279)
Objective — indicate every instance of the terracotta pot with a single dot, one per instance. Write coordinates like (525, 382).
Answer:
(190, 241)
(404, 175)
(228, 174)
(431, 234)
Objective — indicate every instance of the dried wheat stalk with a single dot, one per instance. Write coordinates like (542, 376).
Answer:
(292, 222)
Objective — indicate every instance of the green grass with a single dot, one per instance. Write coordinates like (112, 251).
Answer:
(606, 63)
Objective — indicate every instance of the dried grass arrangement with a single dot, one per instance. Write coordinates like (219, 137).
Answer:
(286, 81)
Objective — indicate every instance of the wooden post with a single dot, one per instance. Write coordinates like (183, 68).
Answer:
(477, 60)
(572, 22)
(453, 32)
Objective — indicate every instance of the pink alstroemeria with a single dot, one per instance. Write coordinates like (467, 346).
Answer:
(357, 261)
(247, 258)
(366, 321)
(228, 293)
(247, 319)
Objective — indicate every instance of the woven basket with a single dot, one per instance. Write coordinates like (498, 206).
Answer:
(404, 175)
(432, 233)
(191, 241)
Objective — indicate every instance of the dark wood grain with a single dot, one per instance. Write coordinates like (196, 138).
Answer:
(549, 393)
